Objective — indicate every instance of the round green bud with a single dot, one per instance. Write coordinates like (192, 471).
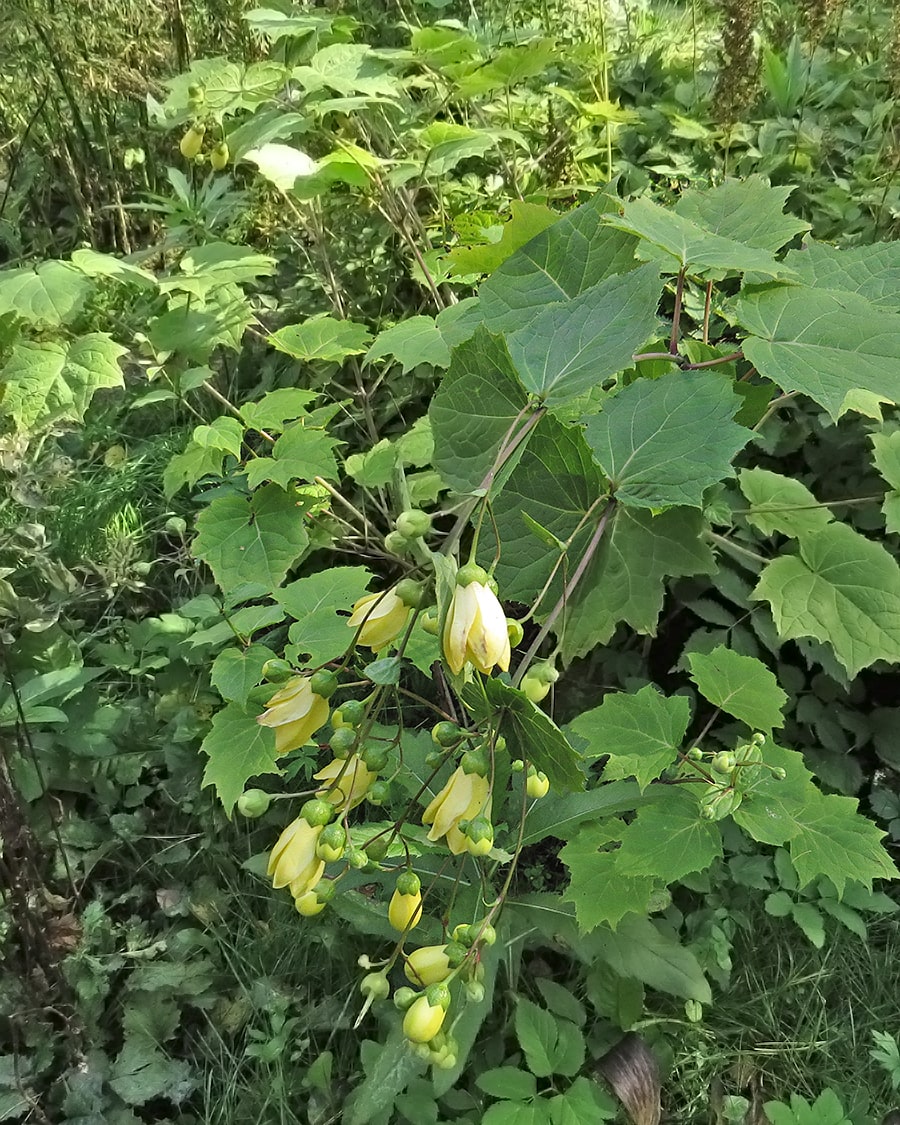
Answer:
(323, 683)
(470, 573)
(343, 741)
(375, 985)
(430, 622)
(545, 672)
(778, 773)
(317, 812)
(353, 711)
(475, 761)
(332, 843)
(474, 990)
(413, 523)
(253, 803)
(277, 671)
(408, 883)
(535, 689)
(404, 997)
(375, 758)
(379, 793)
(196, 93)
(376, 848)
(446, 1061)
(695, 754)
(724, 762)
(488, 935)
(434, 758)
(480, 828)
(446, 733)
(396, 544)
(514, 631)
(410, 592)
(356, 858)
(464, 934)
(517, 765)
(499, 743)
(438, 994)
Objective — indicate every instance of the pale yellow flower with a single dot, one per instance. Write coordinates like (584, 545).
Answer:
(350, 778)
(427, 965)
(295, 712)
(293, 860)
(423, 1020)
(465, 795)
(404, 911)
(475, 630)
(383, 618)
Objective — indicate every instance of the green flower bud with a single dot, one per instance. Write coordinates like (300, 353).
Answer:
(375, 758)
(446, 733)
(253, 803)
(413, 523)
(324, 683)
(353, 711)
(470, 573)
(446, 1061)
(464, 934)
(479, 834)
(724, 762)
(514, 631)
(475, 761)
(376, 849)
(332, 843)
(778, 773)
(534, 688)
(343, 741)
(537, 785)
(429, 621)
(317, 812)
(404, 997)
(356, 858)
(277, 671)
(396, 544)
(716, 803)
(375, 985)
(474, 991)
(433, 759)
(517, 765)
(410, 592)
(488, 935)
(379, 793)
(408, 883)
(695, 754)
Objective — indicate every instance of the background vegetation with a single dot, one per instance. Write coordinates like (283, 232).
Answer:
(149, 973)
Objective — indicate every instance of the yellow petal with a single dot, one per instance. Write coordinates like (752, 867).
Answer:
(458, 795)
(460, 619)
(290, 703)
(495, 634)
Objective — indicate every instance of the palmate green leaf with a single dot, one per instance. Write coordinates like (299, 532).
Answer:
(475, 407)
(275, 408)
(236, 671)
(191, 466)
(447, 143)
(254, 540)
(220, 263)
(584, 1103)
(509, 67)
(197, 331)
(318, 633)
(740, 685)
(689, 246)
(347, 68)
(626, 581)
(871, 271)
(600, 895)
(826, 1110)
(225, 434)
(781, 504)
(526, 221)
(302, 453)
(649, 951)
(412, 342)
(641, 733)
(665, 441)
(94, 264)
(887, 462)
(48, 296)
(771, 809)
(572, 255)
(517, 1113)
(562, 815)
(842, 589)
(668, 839)
(47, 382)
(322, 338)
(238, 748)
(573, 346)
(530, 733)
(748, 211)
(822, 343)
(552, 1045)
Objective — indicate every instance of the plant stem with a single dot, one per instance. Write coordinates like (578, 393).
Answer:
(676, 315)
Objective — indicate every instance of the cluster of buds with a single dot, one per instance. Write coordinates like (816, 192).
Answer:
(191, 143)
(731, 775)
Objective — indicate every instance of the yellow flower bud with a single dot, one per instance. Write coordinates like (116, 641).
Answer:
(475, 630)
(293, 860)
(347, 781)
(427, 965)
(309, 904)
(405, 911)
(295, 712)
(423, 1021)
(380, 618)
(537, 785)
(466, 795)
